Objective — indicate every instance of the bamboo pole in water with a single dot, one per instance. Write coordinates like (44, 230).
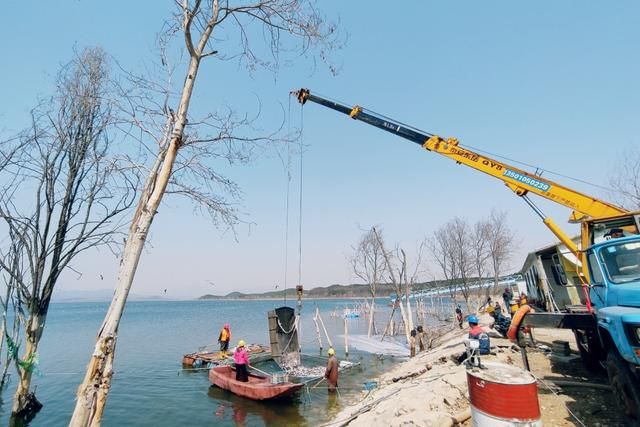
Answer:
(325, 331)
(346, 338)
(315, 320)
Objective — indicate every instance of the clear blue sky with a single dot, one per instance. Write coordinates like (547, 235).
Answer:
(553, 84)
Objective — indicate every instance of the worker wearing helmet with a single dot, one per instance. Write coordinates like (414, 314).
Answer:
(241, 360)
(475, 333)
(224, 338)
(331, 373)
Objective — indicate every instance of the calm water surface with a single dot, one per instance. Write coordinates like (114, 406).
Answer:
(150, 388)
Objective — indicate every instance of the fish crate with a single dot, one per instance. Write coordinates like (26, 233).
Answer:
(279, 378)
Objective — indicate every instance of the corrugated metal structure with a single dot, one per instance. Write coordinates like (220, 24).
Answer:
(283, 336)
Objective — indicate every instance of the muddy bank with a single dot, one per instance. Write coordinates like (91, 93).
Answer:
(431, 390)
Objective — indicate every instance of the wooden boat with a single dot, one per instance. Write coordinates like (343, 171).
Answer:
(257, 388)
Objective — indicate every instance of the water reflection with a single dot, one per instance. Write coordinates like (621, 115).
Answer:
(246, 412)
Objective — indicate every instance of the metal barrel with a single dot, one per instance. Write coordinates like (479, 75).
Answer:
(503, 396)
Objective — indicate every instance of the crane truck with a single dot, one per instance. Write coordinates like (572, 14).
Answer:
(607, 326)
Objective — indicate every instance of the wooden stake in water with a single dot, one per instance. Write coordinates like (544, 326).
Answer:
(346, 338)
(325, 331)
(315, 320)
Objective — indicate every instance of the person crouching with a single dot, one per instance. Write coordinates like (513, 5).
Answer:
(475, 333)
(241, 360)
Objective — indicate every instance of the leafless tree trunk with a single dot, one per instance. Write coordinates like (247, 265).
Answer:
(443, 252)
(502, 244)
(368, 265)
(480, 244)
(197, 22)
(396, 267)
(79, 191)
(459, 231)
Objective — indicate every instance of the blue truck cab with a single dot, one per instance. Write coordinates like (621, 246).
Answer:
(614, 270)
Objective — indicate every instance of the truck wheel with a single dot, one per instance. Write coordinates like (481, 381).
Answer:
(590, 350)
(624, 387)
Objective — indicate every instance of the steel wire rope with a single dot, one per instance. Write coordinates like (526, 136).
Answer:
(301, 139)
(286, 232)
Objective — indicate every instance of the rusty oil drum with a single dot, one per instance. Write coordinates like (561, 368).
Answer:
(503, 396)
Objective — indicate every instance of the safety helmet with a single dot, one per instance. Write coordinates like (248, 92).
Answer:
(226, 326)
(331, 352)
(490, 309)
(472, 319)
(241, 343)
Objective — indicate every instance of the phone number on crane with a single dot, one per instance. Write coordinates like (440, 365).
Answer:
(527, 180)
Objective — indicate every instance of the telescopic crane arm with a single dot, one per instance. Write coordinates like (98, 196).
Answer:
(519, 181)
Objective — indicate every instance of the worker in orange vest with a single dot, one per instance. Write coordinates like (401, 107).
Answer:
(223, 339)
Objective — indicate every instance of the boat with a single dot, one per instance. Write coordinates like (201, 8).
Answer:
(257, 388)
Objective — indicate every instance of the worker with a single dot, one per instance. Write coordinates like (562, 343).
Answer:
(331, 373)
(224, 338)
(412, 343)
(523, 299)
(514, 306)
(507, 296)
(241, 360)
(421, 338)
(497, 308)
(501, 323)
(614, 233)
(475, 333)
(459, 315)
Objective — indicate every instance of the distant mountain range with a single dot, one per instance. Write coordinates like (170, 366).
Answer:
(332, 291)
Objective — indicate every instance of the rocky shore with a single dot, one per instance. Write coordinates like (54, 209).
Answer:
(431, 390)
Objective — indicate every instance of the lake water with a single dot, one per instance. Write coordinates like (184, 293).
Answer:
(150, 387)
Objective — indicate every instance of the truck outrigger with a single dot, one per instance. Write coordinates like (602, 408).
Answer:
(607, 326)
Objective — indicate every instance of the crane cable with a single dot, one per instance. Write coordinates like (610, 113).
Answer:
(286, 228)
(288, 192)
(300, 204)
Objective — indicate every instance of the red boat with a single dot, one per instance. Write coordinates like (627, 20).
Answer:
(257, 388)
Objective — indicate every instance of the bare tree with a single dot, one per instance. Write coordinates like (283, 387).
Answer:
(502, 243)
(396, 267)
(480, 249)
(460, 232)
(625, 180)
(369, 266)
(442, 251)
(62, 194)
(209, 29)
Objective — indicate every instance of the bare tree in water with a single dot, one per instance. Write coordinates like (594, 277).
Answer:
(402, 280)
(184, 145)
(62, 194)
(368, 265)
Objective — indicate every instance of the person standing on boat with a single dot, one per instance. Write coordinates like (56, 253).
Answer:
(331, 373)
(224, 338)
(241, 359)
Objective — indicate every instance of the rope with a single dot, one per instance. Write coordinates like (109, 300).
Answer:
(293, 327)
(286, 230)
(300, 205)
(578, 420)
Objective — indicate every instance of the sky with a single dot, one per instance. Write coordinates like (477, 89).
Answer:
(551, 84)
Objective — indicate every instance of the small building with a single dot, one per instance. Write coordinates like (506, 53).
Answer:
(552, 277)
